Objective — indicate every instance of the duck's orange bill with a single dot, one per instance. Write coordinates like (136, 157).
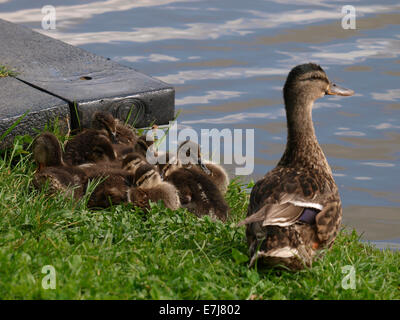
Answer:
(315, 245)
(334, 89)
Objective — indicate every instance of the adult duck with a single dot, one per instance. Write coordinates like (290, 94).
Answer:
(295, 209)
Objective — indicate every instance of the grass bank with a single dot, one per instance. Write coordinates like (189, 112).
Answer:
(123, 253)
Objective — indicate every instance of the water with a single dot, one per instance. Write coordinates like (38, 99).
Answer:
(228, 60)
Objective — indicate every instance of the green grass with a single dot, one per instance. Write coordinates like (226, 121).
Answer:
(126, 254)
(5, 72)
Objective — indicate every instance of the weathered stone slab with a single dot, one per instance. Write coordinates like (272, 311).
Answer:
(16, 98)
(78, 76)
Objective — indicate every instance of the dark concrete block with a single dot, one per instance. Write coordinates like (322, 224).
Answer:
(75, 75)
(16, 98)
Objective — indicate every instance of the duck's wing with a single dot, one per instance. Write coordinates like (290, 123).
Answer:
(280, 198)
(275, 214)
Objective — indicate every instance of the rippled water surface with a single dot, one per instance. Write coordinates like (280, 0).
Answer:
(228, 60)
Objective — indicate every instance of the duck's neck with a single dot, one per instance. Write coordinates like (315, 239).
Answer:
(302, 146)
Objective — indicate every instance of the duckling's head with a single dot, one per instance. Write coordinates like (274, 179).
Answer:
(189, 153)
(147, 177)
(133, 161)
(104, 121)
(308, 82)
(47, 151)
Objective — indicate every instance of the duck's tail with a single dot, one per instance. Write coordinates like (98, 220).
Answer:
(281, 247)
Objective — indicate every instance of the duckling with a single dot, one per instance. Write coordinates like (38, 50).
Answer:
(190, 151)
(197, 192)
(132, 161)
(121, 136)
(47, 151)
(112, 189)
(95, 144)
(124, 134)
(295, 210)
(142, 145)
(89, 147)
(170, 164)
(150, 187)
(52, 169)
(105, 123)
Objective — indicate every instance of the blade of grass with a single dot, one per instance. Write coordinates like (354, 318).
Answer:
(77, 115)
(158, 142)
(11, 128)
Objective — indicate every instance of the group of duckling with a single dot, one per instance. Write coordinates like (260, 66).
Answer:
(112, 157)
(294, 210)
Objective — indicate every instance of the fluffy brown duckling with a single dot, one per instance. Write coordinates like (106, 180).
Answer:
(125, 139)
(124, 134)
(112, 189)
(132, 161)
(53, 171)
(197, 192)
(190, 151)
(295, 210)
(150, 187)
(95, 144)
(105, 123)
(142, 145)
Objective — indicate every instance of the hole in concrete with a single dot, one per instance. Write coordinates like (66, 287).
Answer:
(85, 78)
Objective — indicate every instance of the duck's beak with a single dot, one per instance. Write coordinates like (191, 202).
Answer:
(334, 89)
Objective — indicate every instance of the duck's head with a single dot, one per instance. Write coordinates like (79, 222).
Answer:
(147, 177)
(132, 161)
(308, 82)
(104, 121)
(47, 151)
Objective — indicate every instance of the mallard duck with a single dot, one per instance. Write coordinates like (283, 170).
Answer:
(121, 135)
(132, 161)
(191, 152)
(124, 134)
(295, 209)
(93, 144)
(150, 187)
(105, 123)
(52, 170)
(197, 192)
(142, 144)
(112, 189)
